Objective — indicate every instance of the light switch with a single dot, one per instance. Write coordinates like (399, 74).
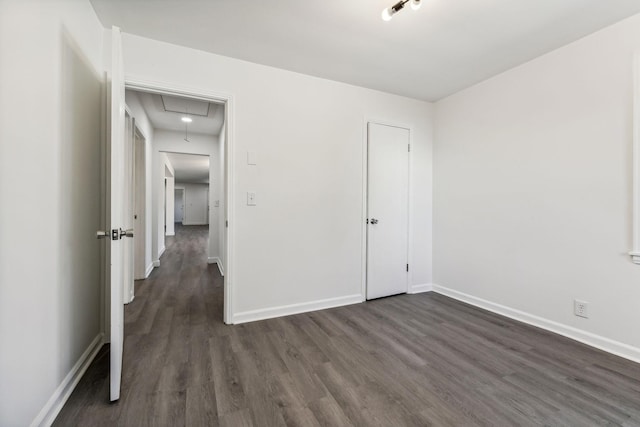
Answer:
(252, 158)
(251, 198)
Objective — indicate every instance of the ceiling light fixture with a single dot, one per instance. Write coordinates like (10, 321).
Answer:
(388, 13)
(187, 119)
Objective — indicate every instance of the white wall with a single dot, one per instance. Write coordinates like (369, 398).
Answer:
(50, 121)
(533, 188)
(196, 203)
(144, 126)
(169, 202)
(302, 243)
(169, 141)
(162, 169)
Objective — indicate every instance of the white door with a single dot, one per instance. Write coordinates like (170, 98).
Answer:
(387, 210)
(179, 205)
(117, 198)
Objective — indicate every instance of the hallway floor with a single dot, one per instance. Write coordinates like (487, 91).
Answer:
(407, 360)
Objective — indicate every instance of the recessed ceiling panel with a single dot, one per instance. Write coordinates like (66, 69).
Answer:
(194, 107)
(161, 118)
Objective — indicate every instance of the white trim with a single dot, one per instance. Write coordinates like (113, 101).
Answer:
(593, 340)
(150, 269)
(146, 85)
(156, 263)
(213, 260)
(162, 249)
(635, 253)
(418, 289)
(170, 234)
(220, 267)
(194, 223)
(52, 408)
(364, 229)
(365, 192)
(286, 310)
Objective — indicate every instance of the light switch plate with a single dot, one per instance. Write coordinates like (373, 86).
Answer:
(251, 198)
(252, 158)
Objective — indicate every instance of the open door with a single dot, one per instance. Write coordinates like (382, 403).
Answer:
(116, 197)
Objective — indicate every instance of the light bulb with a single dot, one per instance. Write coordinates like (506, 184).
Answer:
(415, 4)
(187, 119)
(387, 14)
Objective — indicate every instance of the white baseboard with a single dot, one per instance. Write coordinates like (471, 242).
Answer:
(195, 223)
(150, 269)
(286, 310)
(156, 263)
(593, 340)
(417, 289)
(170, 234)
(216, 260)
(162, 249)
(50, 411)
(220, 267)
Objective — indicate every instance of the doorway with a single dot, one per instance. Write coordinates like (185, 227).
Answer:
(387, 210)
(218, 208)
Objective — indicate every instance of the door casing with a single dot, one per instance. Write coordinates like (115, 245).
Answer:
(228, 233)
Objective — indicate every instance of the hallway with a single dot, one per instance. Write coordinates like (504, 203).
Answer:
(170, 328)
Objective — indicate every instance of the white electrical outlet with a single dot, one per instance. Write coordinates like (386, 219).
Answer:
(580, 308)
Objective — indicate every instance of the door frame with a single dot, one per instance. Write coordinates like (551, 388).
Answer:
(140, 200)
(227, 233)
(365, 199)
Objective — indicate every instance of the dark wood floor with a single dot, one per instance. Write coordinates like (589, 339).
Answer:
(414, 360)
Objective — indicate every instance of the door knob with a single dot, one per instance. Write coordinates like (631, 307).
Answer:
(102, 234)
(127, 233)
(374, 221)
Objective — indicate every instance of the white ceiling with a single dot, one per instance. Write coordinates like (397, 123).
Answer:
(190, 168)
(444, 47)
(165, 112)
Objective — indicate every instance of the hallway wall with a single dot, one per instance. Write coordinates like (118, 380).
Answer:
(171, 141)
(196, 204)
(50, 293)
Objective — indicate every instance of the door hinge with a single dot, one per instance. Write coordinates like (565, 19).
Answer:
(409, 147)
(407, 267)
(115, 234)
(226, 224)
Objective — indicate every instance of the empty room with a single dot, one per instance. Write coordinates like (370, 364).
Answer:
(288, 213)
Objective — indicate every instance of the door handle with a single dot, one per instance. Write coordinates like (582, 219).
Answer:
(374, 221)
(126, 233)
(102, 234)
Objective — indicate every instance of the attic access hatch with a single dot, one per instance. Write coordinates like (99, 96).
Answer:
(193, 107)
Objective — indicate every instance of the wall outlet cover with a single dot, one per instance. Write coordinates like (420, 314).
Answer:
(580, 308)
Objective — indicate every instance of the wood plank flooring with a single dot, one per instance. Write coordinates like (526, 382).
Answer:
(410, 360)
